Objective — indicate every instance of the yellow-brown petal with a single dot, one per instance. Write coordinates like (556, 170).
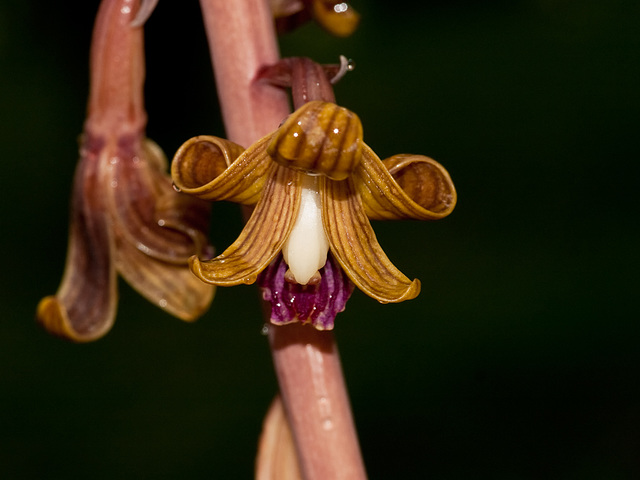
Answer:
(354, 244)
(404, 186)
(147, 212)
(263, 235)
(214, 169)
(336, 17)
(169, 286)
(84, 307)
(319, 137)
(156, 230)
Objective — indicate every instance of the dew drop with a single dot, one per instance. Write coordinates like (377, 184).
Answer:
(162, 303)
(161, 222)
(351, 65)
(114, 183)
(113, 160)
(176, 188)
(143, 248)
(327, 424)
(341, 7)
(265, 329)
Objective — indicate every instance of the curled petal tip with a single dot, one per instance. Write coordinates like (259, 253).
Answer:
(144, 12)
(218, 272)
(196, 267)
(209, 168)
(425, 181)
(52, 315)
(411, 292)
(404, 186)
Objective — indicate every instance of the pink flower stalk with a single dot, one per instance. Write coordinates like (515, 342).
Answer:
(242, 40)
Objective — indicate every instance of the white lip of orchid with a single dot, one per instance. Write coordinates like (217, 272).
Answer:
(305, 251)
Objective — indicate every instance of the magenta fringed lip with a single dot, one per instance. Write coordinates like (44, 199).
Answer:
(317, 304)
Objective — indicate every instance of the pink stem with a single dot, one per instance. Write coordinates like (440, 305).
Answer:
(117, 70)
(315, 397)
(241, 40)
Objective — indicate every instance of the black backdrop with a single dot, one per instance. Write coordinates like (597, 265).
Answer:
(519, 359)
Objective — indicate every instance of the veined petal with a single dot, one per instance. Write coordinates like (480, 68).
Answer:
(169, 286)
(84, 307)
(354, 244)
(404, 186)
(263, 235)
(146, 211)
(212, 168)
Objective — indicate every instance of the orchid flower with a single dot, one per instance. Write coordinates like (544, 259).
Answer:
(125, 216)
(314, 184)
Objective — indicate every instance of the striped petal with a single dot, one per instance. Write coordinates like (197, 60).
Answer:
(156, 230)
(147, 212)
(263, 235)
(214, 169)
(404, 186)
(169, 286)
(84, 307)
(354, 244)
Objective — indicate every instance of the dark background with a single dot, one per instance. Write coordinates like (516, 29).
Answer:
(520, 358)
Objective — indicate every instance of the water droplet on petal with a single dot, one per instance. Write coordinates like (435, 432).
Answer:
(114, 183)
(162, 303)
(265, 329)
(176, 188)
(161, 222)
(341, 7)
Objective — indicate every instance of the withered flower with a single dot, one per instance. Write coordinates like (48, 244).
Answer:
(315, 184)
(125, 216)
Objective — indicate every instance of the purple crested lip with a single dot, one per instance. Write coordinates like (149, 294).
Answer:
(317, 305)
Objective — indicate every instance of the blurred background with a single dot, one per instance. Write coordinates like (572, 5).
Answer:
(520, 358)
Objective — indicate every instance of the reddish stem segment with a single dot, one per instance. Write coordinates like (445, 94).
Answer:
(241, 40)
(309, 82)
(316, 401)
(117, 70)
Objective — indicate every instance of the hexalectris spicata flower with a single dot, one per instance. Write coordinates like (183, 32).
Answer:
(315, 184)
(125, 215)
